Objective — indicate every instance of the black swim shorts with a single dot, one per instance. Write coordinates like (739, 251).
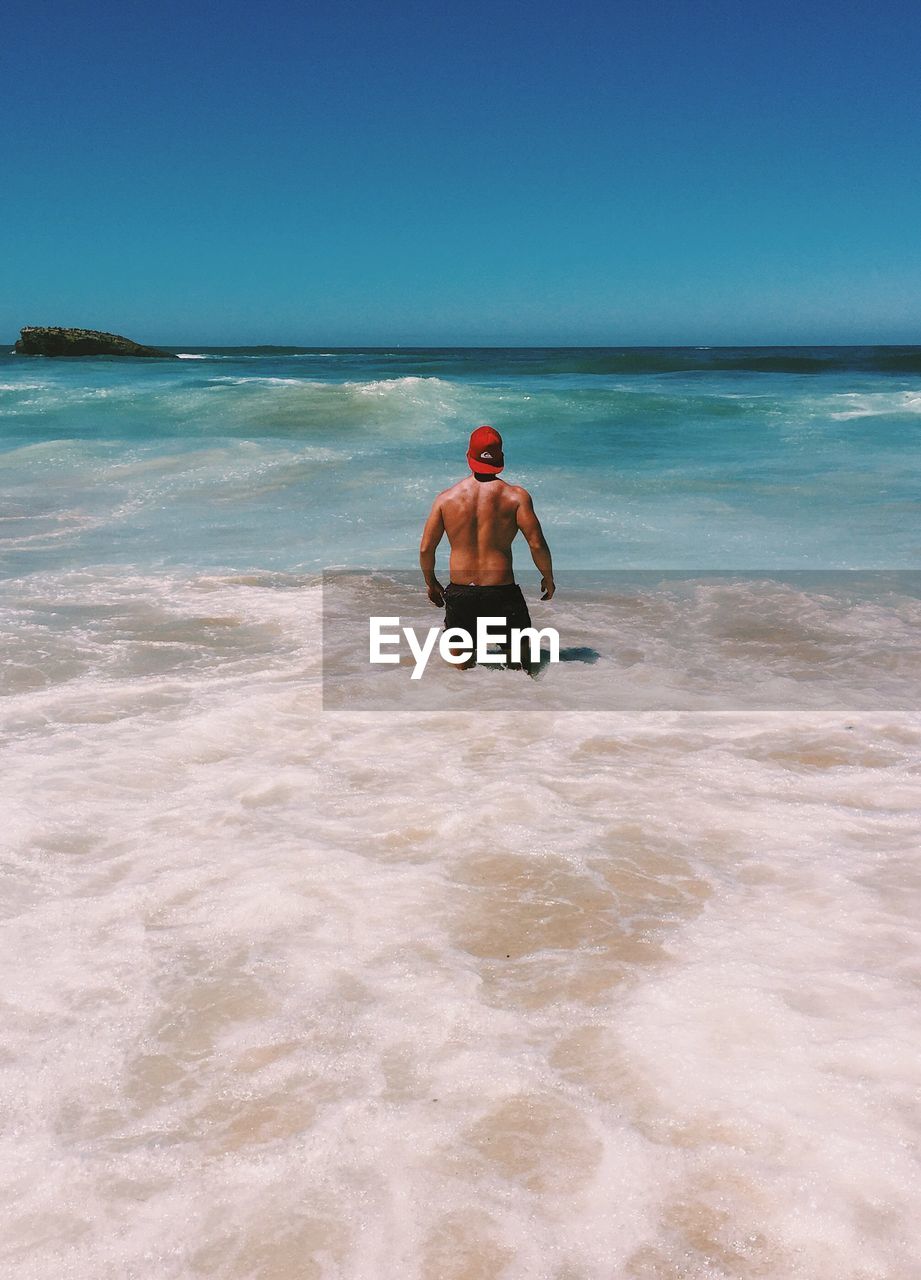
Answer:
(464, 605)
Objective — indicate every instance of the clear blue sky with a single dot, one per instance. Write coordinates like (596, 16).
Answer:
(376, 173)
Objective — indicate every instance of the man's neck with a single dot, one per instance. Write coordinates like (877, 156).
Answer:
(483, 479)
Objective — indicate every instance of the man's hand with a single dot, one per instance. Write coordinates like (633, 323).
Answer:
(547, 588)
(436, 594)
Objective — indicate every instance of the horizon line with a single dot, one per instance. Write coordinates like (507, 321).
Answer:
(509, 346)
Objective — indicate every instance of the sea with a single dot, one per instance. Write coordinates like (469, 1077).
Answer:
(313, 972)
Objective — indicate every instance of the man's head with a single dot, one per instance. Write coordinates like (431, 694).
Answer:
(485, 452)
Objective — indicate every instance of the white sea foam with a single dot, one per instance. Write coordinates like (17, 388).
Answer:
(390, 386)
(876, 404)
(554, 979)
(256, 380)
(536, 993)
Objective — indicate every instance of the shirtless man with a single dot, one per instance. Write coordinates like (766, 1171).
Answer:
(482, 515)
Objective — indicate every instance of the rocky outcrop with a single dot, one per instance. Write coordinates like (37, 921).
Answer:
(43, 341)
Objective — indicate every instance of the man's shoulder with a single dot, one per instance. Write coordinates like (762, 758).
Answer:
(517, 492)
(451, 492)
(514, 493)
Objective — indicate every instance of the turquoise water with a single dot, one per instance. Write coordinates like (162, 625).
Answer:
(295, 460)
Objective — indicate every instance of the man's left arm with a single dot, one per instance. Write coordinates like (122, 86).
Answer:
(431, 536)
(529, 525)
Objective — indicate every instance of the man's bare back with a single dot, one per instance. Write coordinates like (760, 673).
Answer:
(481, 520)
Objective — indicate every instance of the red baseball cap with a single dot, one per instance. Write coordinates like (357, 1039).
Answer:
(485, 452)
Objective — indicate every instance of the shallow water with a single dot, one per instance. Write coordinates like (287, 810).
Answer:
(613, 973)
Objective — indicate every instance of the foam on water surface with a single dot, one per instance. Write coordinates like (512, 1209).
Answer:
(535, 983)
(537, 993)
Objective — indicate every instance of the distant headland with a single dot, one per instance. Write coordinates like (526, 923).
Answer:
(40, 340)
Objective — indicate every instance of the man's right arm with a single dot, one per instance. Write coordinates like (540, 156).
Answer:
(529, 525)
(431, 536)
